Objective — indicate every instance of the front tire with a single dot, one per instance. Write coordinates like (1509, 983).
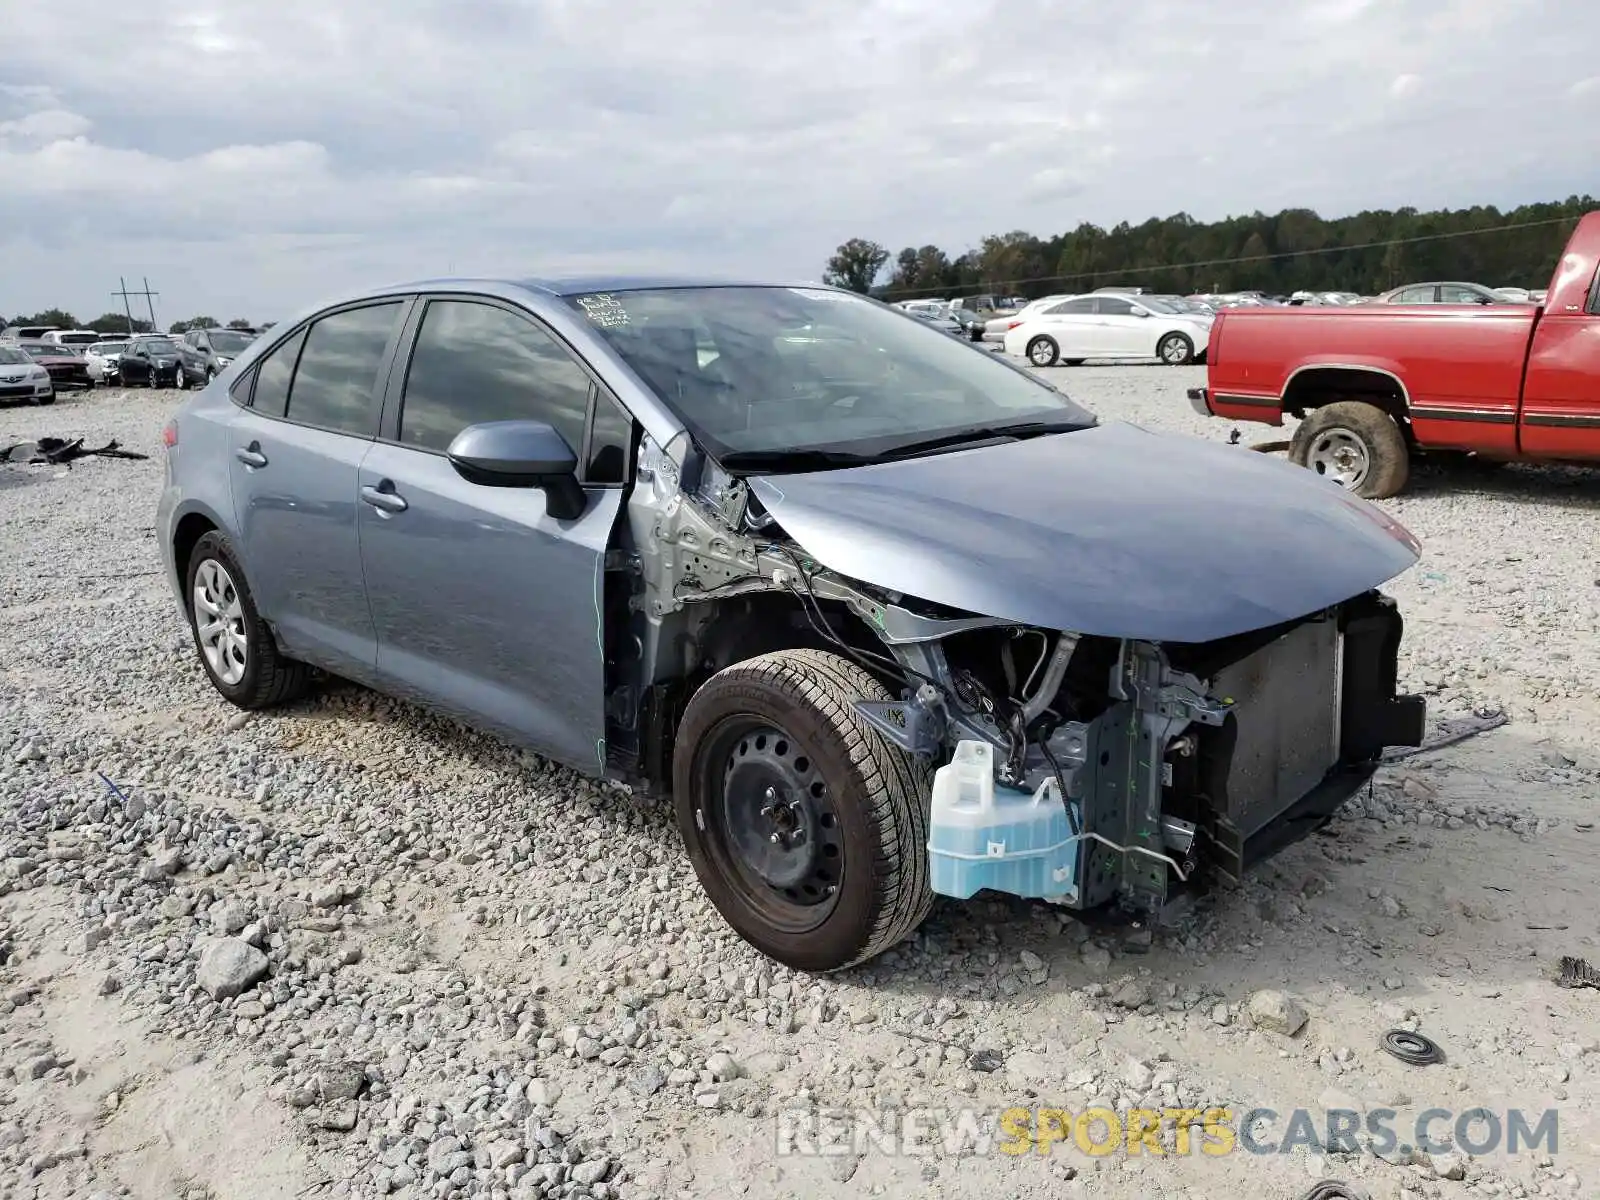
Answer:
(46, 399)
(1356, 445)
(1043, 352)
(1176, 350)
(806, 827)
(236, 648)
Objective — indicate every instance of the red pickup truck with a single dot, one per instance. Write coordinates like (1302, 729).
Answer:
(1377, 384)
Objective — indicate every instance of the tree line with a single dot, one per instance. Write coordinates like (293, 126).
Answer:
(1294, 250)
(115, 323)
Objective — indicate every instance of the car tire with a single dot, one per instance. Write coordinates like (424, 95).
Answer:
(47, 399)
(1043, 352)
(782, 727)
(255, 674)
(1356, 445)
(181, 381)
(1176, 350)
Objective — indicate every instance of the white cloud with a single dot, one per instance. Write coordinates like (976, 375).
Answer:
(44, 125)
(253, 157)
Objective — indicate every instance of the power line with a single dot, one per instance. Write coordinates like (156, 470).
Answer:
(1224, 262)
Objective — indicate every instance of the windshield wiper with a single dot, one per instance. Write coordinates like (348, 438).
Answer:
(792, 460)
(983, 433)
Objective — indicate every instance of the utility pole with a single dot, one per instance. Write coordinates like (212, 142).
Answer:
(127, 308)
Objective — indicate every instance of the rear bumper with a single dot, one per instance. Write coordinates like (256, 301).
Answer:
(1200, 401)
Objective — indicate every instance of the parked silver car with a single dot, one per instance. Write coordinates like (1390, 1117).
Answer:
(853, 592)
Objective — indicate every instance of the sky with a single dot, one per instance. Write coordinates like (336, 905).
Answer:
(250, 159)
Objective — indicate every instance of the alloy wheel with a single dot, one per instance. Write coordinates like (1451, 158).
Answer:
(219, 622)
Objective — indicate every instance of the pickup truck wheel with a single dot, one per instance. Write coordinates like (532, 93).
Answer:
(1043, 352)
(807, 828)
(1356, 445)
(1175, 349)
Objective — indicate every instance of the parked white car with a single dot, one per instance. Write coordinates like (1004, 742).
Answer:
(931, 309)
(102, 358)
(73, 339)
(1110, 327)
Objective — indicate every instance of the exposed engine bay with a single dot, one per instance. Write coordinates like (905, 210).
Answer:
(1169, 763)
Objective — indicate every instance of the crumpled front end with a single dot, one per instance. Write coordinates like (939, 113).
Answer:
(1154, 767)
(1082, 767)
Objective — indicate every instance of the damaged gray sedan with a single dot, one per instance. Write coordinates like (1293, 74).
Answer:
(886, 616)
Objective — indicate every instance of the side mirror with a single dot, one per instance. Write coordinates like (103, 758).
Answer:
(523, 454)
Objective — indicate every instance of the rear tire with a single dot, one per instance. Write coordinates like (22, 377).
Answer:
(1043, 352)
(1176, 350)
(775, 741)
(264, 676)
(1356, 445)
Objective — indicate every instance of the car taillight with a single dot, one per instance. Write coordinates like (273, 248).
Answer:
(1010, 325)
(169, 434)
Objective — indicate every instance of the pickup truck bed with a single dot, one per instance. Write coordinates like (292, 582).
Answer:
(1379, 384)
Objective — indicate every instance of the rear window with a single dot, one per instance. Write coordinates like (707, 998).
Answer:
(274, 375)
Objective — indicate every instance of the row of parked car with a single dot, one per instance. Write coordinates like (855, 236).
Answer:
(84, 358)
(1128, 323)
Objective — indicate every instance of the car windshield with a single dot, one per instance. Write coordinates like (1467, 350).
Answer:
(773, 372)
(14, 357)
(44, 351)
(158, 346)
(228, 341)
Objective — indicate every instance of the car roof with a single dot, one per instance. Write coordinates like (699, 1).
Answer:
(577, 285)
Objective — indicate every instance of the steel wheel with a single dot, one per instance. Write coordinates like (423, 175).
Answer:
(775, 825)
(1176, 349)
(1340, 455)
(219, 622)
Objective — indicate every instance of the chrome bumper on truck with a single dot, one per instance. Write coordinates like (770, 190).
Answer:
(1208, 759)
(1199, 402)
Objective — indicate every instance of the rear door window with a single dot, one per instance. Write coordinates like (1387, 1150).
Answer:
(338, 370)
(271, 397)
(1083, 304)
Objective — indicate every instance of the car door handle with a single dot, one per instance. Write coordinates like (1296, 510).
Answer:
(384, 498)
(251, 455)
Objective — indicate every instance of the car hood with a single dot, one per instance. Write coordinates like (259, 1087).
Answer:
(1109, 531)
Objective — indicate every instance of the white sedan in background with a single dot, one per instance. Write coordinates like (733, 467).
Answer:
(101, 358)
(1110, 327)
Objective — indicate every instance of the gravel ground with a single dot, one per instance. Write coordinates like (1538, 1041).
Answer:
(350, 949)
